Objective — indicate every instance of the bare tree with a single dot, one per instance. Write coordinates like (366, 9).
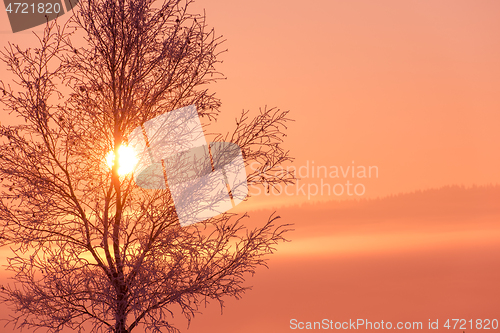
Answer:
(90, 247)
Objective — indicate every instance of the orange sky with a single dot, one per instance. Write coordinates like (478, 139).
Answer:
(408, 86)
(411, 87)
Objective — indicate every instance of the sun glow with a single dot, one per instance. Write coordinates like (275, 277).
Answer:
(126, 160)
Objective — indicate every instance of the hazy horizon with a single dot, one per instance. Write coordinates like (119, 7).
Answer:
(407, 87)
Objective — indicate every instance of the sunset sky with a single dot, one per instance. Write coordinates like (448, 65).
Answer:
(410, 87)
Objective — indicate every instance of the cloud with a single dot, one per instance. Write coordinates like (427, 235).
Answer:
(422, 219)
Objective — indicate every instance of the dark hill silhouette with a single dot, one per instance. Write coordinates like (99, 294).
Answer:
(447, 208)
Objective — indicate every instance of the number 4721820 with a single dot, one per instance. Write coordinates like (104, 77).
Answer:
(40, 8)
(479, 324)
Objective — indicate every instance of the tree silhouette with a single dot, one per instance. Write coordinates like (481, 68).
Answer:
(90, 247)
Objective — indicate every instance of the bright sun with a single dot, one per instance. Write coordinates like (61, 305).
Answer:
(126, 160)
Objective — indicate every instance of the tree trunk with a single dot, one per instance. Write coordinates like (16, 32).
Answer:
(120, 326)
(121, 310)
